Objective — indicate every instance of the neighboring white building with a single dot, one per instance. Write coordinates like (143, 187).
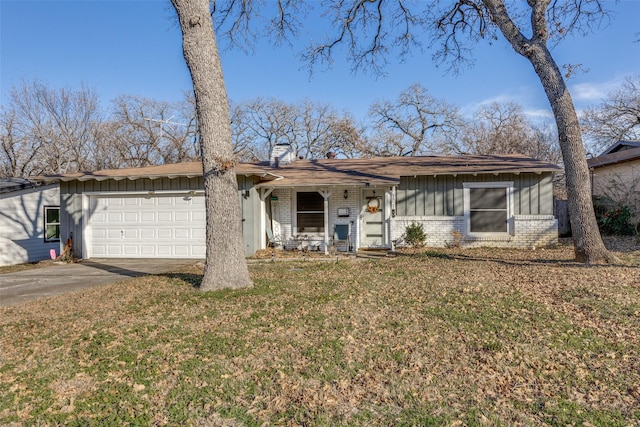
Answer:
(29, 221)
(615, 176)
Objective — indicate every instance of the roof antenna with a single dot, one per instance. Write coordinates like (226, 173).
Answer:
(160, 122)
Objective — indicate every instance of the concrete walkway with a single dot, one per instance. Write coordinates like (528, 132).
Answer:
(60, 278)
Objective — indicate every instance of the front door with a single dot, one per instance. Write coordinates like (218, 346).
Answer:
(372, 219)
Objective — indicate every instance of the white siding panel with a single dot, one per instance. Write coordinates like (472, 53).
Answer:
(147, 251)
(181, 233)
(161, 226)
(22, 225)
(147, 233)
(131, 217)
(99, 217)
(148, 216)
(164, 233)
(164, 216)
(198, 233)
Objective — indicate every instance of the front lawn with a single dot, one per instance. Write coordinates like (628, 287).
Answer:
(447, 337)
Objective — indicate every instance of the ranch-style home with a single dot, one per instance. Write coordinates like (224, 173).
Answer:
(29, 220)
(349, 204)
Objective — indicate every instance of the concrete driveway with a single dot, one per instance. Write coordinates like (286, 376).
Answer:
(60, 278)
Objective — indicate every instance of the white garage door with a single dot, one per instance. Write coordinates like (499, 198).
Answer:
(154, 226)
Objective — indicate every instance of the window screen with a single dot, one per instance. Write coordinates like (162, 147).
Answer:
(310, 212)
(488, 210)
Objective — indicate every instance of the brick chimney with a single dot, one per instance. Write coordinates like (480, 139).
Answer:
(282, 154)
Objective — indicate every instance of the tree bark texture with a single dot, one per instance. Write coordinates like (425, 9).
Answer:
(588, 245)
(225, 265)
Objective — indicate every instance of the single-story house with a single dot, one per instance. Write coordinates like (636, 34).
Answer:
(158, 211)
(615, 174)
(29, 220)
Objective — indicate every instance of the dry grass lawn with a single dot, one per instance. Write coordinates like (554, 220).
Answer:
(446, 337)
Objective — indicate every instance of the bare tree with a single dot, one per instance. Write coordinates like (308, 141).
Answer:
(17, 151)
(225, 265)
(617, 117)
(261, 123)
(107, 152)
(372, 29)
(312, 129)
(49, 130)
(503, 128)
(243, 139)
(344, 136)
(152, 132)
(322, 129)
(384, 142)
(546, 16)
(416, 122)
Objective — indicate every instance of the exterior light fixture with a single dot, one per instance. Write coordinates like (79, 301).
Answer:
(346, 194)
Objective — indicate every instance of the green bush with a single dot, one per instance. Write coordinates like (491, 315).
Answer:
(414, 235)
(616, 222)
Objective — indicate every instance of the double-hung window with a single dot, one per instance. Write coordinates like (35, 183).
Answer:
(309, 212)
(487, 208)
(51, 223)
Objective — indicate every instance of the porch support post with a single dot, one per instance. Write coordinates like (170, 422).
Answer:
(264, 193)
(263, 219)
(325, 194)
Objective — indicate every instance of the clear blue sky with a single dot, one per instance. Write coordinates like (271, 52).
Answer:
(134, 48)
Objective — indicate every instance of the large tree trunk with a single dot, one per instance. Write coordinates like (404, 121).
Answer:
(587, 241)
(225, 264)
(588, 245)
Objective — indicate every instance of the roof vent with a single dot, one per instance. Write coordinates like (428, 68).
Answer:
(331, 155)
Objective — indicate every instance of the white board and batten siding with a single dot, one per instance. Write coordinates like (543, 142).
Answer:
(145, 226)
(146, 218)
(22, 224)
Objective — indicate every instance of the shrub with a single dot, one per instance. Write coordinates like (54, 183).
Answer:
(617, 222)
(414, 235)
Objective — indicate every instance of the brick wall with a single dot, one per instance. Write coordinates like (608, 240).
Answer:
(337, 200)
(282, 213)
(529, 231)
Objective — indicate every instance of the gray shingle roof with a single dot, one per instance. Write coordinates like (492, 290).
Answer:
(375, 171)
(615, 157)
(8, 185)
(621, 146)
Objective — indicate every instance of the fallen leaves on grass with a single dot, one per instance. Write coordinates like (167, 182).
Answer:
(451, 337)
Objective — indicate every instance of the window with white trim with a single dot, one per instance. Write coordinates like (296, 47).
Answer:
(309, 212)
(52, 223)
(487, 208)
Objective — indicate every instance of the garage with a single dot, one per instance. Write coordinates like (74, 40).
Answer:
(146, 226)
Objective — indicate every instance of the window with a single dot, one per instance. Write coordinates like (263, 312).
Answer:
(487, 207)
(51, 223)
(309, 212)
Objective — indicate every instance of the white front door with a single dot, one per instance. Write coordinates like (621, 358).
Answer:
(372, 219)
(153, 226)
